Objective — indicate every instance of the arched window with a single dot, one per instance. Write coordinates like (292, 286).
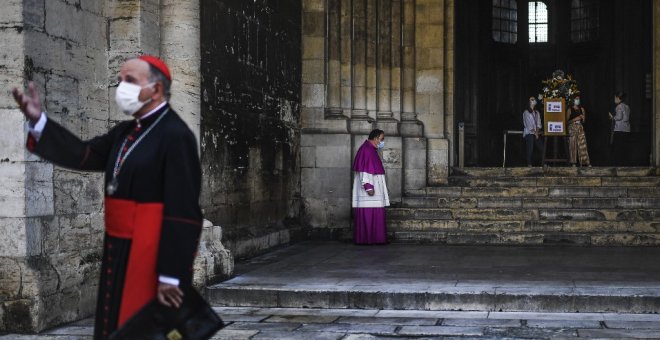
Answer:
(538, 22)
(505, 21)
(584, 20)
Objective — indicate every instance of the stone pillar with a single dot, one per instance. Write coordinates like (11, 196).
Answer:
(412, 130)
(180, 49)
(656, 83)
(346, 48)
(360, 122)
(371, 57)
(333, 66)
(396, 59)
(410, 126)
(430, 88)
(386, 122)
(313, 97)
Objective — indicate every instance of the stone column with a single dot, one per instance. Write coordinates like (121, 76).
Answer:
(410, 126)
(656, 83)
(412, 130)
(333, 67)
(180, 49)
(360, 122)
(313, 93)
(386, 122)
(430, 87)
(396, 59)
(371, 57)
(346, 51)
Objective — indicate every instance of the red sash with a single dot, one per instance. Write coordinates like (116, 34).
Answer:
(140, 222)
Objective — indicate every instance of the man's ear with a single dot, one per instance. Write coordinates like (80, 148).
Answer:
(158, 89)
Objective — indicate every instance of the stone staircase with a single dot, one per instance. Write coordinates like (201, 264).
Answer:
(532, 206)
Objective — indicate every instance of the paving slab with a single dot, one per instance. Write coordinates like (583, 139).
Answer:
(563, 324)
(634, 325)
(440, 331)
(390, 321)
(618, 333)
(481, 322)
(349, 328)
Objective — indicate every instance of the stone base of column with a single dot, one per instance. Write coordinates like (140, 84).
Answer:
(389, 125)
(360, 122)
(437, 161)
(414, 163)
(335, 113)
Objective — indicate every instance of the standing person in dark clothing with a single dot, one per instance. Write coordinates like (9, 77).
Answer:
(621, 120)
(153, 179)
(532, 130)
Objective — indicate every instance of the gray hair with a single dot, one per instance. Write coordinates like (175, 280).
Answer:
(156, 76)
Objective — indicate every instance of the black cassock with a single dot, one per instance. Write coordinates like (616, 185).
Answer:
(153, 219)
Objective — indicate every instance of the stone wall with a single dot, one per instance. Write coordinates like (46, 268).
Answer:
(250, 120)
(51, 218)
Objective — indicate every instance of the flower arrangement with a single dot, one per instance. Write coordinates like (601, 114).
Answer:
(560, 87)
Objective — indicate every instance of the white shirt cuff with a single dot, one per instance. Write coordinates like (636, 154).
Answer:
(168, 280)
(38, 128)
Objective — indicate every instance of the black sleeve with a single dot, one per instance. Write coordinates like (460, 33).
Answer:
(63, 148)
(182, 216)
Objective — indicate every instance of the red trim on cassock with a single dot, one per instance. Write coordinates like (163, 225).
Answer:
(140, 222)
(31, 142)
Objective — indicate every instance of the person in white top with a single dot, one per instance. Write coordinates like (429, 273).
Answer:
(532, 132)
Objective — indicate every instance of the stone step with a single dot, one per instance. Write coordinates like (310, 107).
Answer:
(617, 239)
(535, 191)
(557, 172)
(523, 214)
(554, 181)
(440, 297)
(442, 277)
(501, 227)
(533, 202)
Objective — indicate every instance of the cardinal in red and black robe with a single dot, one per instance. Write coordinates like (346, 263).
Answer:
(153, 177)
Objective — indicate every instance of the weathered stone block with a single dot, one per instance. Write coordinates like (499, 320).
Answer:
(594, 203)
(313, 95)
(124, 34)
(535, 203)
(569, 181)
(81, 27)
(491, 226)
(313, 5)
(569, 192)
(12, 192)
(437, 161)
(414, 179)
(12, 13)
(493, 214)
(313, 47)
(70, 186)
(10, 278)
(500, 203)
(638, 203)
(558, 214)
(333, 156)
(213, 261)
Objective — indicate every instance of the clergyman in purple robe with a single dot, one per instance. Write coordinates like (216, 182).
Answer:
(370, 192)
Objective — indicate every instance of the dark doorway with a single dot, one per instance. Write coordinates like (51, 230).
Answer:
(605, 45)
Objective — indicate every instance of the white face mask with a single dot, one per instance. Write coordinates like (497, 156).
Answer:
(532, 103)
(127, 97)
(381, 144)
(577, 102)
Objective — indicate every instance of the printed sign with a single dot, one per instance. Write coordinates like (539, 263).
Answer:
(556, 127)
(554, 106)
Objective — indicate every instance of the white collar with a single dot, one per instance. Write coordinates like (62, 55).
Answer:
(160, 106)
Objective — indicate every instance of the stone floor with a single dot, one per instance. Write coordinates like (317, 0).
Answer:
(605, 273)
(354, 324)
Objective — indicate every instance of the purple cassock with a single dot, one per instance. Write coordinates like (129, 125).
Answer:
(369, 225)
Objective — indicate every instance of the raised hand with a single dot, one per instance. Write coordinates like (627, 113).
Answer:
(30, 105)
